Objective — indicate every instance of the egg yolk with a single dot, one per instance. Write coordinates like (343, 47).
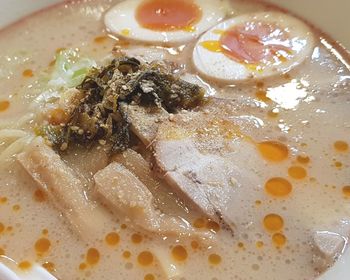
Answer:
(165, 15)
(252, 43)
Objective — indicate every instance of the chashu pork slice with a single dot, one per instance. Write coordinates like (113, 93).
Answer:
(128, 196)
(208, 162)
(144, 121)
(164, 199)
(63, 187)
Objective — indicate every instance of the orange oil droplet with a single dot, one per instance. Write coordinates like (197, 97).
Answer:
(28, 73)
(3, 200)
(101, 39)
(145, 258)
(2, 228)
(39, 196)
(278, 187)
(338, 164)
(240, 245)
(303, 159)
(259, 244)
(199, 223)
(112, 238)
(213, 226)
(126, 254)
(258, 202)
(45, 231)
(42, 245)
(214, 259)
(123, 226)
(92, 256)
(194, 245)
(297, 172)
(273, 151)
(262, 95)
(4, 105)
(279, 239)
(82, 266)
(273, 222)
(346, 191)
(2, 252)
(16, 207)
(136, 238)
(149, 277)
(179, 253)
(49, 266)
(25, 265)
(341, 146)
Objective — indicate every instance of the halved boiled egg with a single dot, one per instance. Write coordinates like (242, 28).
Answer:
(253, 46)
(164, 21)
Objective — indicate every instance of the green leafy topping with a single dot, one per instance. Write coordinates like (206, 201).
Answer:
(70, 69)
(98, 116)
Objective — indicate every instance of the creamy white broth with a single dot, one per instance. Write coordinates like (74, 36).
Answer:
(312, 114)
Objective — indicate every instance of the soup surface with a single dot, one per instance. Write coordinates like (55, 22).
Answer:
(292, 156)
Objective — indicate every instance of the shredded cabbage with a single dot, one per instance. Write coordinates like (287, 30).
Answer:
(70, 69)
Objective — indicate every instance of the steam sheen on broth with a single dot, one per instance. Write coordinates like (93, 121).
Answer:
(289, 134)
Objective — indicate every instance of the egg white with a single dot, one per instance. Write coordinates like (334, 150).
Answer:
(121, 21)
(218, 66)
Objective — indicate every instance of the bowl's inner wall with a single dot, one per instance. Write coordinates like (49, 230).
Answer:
(331, 16)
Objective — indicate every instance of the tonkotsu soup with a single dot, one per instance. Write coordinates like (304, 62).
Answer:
(154, 139)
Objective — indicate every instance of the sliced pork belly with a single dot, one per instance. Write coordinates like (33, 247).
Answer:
(144, 121)
(206, 159)
(163, 198)
(87, 161)
(125, 193)
(63, 187)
